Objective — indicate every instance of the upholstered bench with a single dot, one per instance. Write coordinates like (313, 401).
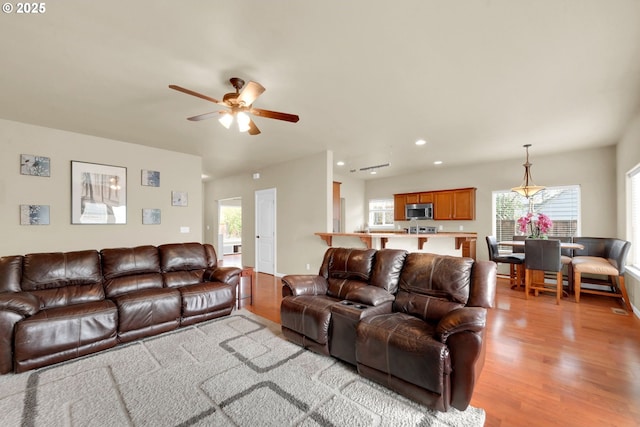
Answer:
(601, 257)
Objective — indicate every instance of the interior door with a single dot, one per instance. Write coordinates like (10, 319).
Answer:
(266, 230)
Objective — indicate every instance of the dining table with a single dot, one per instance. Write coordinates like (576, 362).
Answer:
(539, 275)
(520, 243)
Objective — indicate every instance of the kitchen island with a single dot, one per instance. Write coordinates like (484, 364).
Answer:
(464, 242)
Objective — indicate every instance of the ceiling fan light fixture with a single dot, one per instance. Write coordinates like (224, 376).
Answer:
(243, 121)
(226, 120)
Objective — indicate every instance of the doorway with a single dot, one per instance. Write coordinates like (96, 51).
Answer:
(266, 231)
(230, 231)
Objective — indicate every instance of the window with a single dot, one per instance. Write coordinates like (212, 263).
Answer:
(561, 204)
(634, 217)
(381, 213)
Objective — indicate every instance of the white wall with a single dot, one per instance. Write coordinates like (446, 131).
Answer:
(628, 156)
(177, 172)
(352, 190)
(303, 207)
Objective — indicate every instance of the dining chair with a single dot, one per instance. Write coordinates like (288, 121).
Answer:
(566, 255)
(544, 256)
(515, 261)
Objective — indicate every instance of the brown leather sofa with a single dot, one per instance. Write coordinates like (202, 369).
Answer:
(413, 322)
(59, 306)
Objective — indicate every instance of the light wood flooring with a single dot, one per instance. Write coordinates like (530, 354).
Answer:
(546, 365)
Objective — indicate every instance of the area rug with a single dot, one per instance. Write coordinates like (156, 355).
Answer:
(233, 371)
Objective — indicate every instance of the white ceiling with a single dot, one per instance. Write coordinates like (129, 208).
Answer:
(476, 78)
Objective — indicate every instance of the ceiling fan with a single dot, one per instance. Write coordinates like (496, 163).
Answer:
(240, 106)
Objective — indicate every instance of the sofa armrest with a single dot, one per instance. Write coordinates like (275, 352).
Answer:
(370, 295)
(23, 303)
(470, 319)
(228, 275)
(304, 284)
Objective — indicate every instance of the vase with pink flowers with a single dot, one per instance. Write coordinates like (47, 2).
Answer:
(535, 226)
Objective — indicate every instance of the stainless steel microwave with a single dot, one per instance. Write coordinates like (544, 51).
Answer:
(419, 211)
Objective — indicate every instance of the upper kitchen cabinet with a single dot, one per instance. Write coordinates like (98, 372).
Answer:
(399, 202)
(459, 204)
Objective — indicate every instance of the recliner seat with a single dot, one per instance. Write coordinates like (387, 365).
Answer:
(417, 328)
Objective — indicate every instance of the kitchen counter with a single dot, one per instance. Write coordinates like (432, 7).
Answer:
(464, 241)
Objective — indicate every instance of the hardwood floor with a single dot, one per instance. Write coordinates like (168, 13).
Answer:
(546, 365)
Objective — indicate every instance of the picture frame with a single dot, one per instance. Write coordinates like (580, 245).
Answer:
(34, 215)
(179, 198)
(35, 165)
(150, 178)
(151, 216)
(98, 193)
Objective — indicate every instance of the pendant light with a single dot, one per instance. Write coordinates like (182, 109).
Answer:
(528, 188)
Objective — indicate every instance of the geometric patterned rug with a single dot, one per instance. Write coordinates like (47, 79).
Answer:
(233, 371)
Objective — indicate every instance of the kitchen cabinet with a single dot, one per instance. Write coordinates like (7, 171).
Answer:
(399, 202)
(412, 198)
(459, 204)
(337, 227)
(425, 197)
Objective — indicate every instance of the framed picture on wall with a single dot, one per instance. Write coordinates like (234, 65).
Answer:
(150, 216)
(150, 178)
(35, 165)
(179, 198)
(34, 214)
(98, 193)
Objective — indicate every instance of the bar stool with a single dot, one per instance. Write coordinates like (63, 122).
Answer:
(542, 255)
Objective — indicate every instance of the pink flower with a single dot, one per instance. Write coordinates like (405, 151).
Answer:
(535, 227)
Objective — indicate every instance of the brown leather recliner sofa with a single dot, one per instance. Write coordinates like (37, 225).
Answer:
(59, 306)
(413, 322)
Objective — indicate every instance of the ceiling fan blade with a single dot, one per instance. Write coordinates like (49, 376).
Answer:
(253, 129)
(250, 93)
(199, 95)
(204, 116)
(274, 115)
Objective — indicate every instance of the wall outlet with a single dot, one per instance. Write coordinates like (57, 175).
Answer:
(308, 266)
(462, 228)
(184, 229)
(441, 227)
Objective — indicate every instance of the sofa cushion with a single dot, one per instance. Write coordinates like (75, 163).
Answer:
(120, 262)
(432, 285)
(183, 256)
(387, 268)
(340, 288)
(65, 328)
(10, 273)
(63, 278)
(146, 308)
(176, 279)
(308, 315)
(351, 264)
(206, 297)
(133, 283)
(55, 270)
(403, 347)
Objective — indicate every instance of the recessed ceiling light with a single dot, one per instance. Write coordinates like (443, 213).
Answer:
(340, 163)
(437, 162)
(373, 172)
(421, 142)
